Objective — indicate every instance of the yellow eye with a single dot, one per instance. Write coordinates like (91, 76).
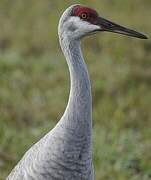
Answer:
(84, 16)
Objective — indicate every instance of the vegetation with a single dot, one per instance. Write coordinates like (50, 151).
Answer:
(34, 84)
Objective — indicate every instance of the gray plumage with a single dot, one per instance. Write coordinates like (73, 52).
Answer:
(65, 153)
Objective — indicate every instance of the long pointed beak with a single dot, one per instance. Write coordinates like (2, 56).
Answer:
(106, 25)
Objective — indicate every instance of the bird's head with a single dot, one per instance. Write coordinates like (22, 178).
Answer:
(79, 21)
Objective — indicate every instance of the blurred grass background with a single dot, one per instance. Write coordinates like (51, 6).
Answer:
(34, 84)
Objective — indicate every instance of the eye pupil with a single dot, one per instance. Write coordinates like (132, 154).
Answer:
(84, 15)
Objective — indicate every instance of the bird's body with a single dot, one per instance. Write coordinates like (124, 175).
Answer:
(65, 153)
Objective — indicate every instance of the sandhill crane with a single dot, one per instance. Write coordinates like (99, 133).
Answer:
(65, 153)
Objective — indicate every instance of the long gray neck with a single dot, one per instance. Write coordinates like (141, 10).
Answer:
(78, 113)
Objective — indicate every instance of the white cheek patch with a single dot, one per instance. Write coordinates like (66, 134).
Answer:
(71, 24)
(82, 26)
(72, 28)
(74, 19)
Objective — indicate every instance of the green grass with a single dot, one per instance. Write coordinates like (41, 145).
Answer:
(34, 84)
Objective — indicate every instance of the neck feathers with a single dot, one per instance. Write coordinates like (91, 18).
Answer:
(79, 109)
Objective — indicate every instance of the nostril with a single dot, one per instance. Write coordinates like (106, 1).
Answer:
(109, 24)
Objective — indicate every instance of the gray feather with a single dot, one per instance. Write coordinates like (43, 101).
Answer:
(65, 153)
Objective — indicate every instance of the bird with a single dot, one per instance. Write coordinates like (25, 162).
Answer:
(65, 152)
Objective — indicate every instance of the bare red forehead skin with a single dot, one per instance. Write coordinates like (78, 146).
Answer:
(92, 15)
(81, 9)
